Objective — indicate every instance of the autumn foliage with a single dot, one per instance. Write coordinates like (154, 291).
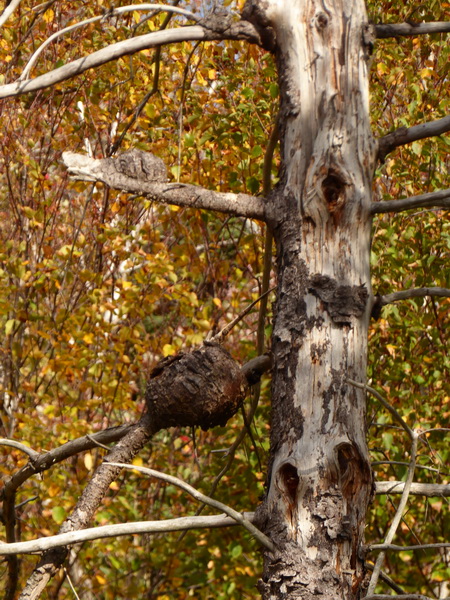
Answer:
(96, 287)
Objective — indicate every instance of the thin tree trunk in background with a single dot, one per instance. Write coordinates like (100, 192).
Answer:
(320, 480)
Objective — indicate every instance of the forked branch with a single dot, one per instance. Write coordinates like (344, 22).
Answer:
(406, 135)
(241, 30)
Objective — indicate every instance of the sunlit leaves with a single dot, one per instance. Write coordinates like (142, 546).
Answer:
(409, 347)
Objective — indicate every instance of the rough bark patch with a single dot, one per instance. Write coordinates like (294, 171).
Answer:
(202, 388)
(341, 301)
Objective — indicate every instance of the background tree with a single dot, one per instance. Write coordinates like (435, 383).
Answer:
(97, 286)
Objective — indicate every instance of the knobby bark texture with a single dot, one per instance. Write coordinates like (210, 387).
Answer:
(320, 482)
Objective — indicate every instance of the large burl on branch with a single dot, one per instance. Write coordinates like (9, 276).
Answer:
(202, 388)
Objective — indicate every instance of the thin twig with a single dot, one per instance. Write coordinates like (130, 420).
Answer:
(398, 548)
(398, 515)
(238, 517)
(391, 409)
(226, 330)
(110, 13)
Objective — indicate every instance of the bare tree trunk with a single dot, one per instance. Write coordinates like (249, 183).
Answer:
(320, 481)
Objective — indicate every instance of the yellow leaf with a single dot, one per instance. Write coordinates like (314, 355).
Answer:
(168, 350)
(100, 579)
(88, 461)
(391, 349)
(53, 490)
(138, 462)
(217, 302)
(426, 73)
(88, 338)
(48, 16)
(201, 79)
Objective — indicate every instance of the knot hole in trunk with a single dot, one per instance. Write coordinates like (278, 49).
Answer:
(289, 480)
(333, 189)
(354, 471)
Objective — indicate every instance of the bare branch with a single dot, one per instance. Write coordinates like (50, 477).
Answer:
(108, 531)
(417, 489)
(241, 30)
(386, 579)
(440, 199)
(220, 337)
(256, 533)
(413, 293)
(396, 29)
(87, 504)
(112, 13)
(401, 548)
(398, 514)
(110, 172)
(31, 453)
(9, 11)
(47, 459)
(400, 596)
(406, 135)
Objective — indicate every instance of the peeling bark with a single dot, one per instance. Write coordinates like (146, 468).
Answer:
(320, 480)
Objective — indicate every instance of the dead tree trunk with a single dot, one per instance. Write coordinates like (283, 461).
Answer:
(319, 483)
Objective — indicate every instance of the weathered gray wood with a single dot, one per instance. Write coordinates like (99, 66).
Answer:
(320, 479)
(119, 174)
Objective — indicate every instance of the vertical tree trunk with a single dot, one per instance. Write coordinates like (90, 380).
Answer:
(320, 481)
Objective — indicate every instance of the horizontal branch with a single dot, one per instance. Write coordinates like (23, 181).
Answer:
(108, 171)
(406, 135)
(440, 199)
(397, 597)
(417, 489)
(397, 29)
(241, 30)
(398, 548)
(179, 524)
(108, 531)
(413, 293)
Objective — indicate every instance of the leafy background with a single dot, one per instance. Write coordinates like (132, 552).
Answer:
(95, 287)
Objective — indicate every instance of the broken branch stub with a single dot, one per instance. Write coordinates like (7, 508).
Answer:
(202, 388)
